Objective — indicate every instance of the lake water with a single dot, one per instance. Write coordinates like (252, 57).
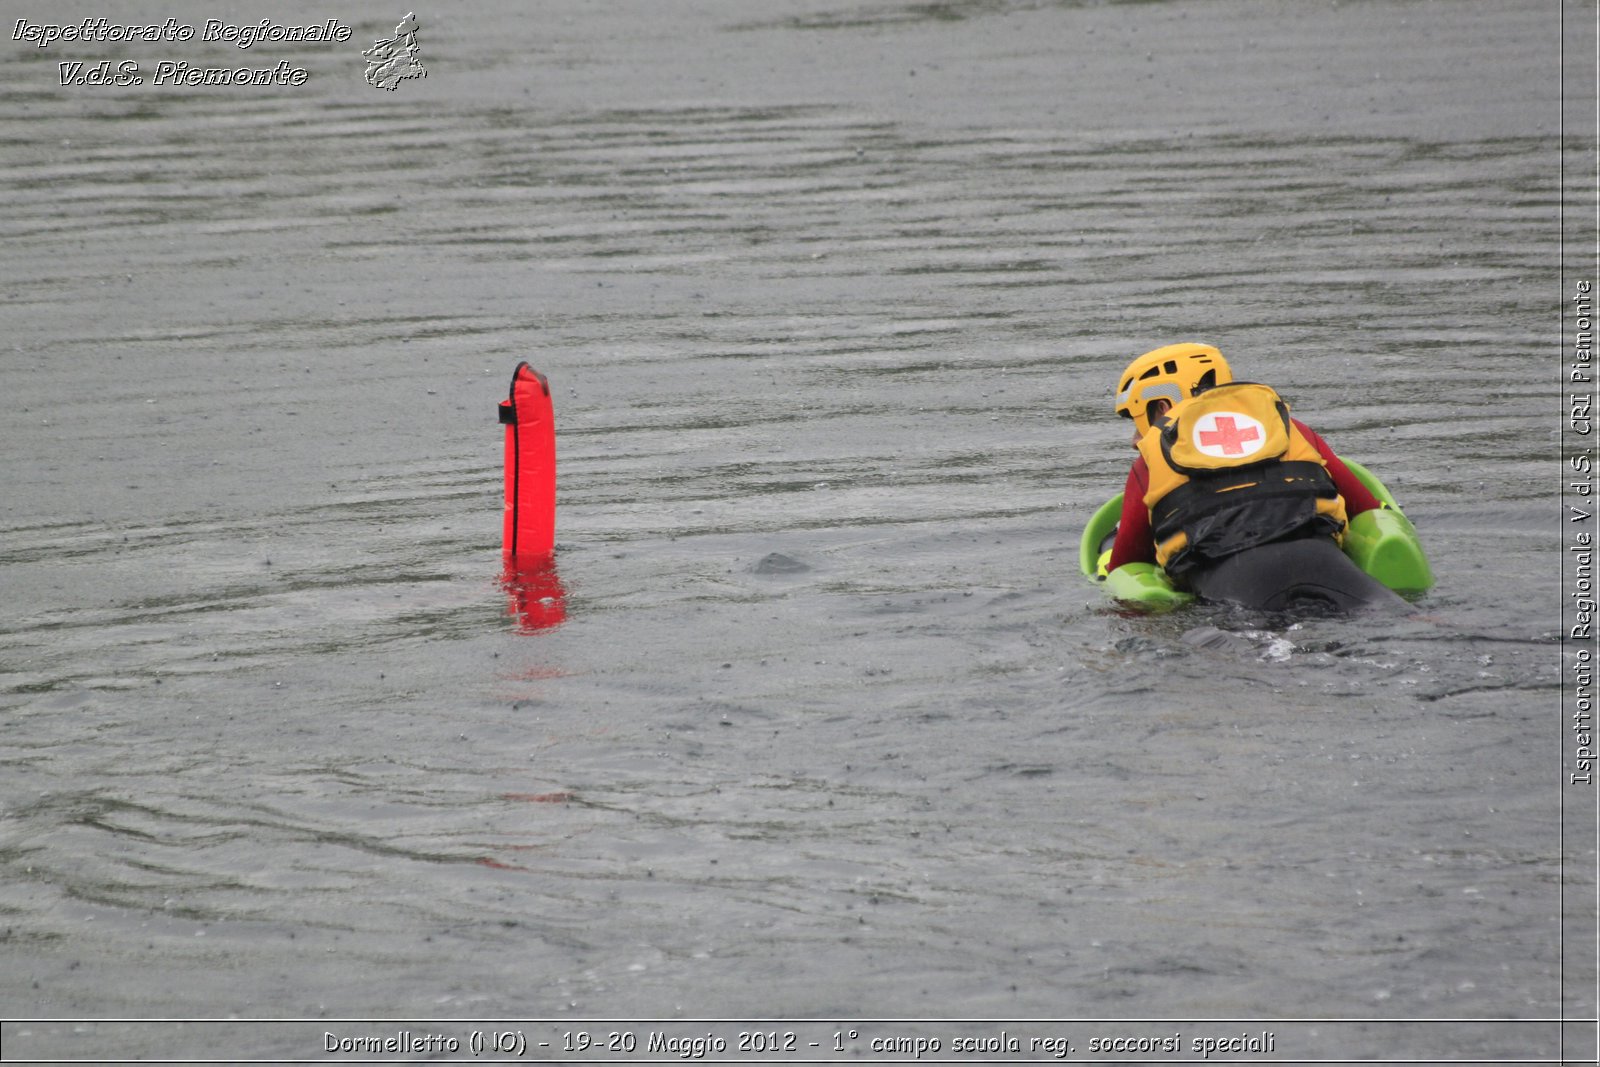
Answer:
(822, 723)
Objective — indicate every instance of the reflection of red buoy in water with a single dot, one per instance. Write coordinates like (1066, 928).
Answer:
(538, 599)
(537, 596)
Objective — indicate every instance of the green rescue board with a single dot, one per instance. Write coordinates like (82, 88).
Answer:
(1383, 543)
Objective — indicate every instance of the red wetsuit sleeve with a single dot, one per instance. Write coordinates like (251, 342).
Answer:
(1357, 497)
(1134, 543)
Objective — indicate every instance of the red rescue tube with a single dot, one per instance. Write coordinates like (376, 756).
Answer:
(529, 418)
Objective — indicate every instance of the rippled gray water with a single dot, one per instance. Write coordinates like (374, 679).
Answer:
(846, 284)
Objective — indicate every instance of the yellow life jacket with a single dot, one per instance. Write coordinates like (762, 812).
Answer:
(1230, 471)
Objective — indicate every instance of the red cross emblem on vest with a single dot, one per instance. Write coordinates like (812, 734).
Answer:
(1228, 435)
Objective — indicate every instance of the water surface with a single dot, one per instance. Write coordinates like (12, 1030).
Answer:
(842, 284)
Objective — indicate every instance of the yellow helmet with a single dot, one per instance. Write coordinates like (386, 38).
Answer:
(1172, 372)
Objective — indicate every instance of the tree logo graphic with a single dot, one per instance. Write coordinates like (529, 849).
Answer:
(392, 61)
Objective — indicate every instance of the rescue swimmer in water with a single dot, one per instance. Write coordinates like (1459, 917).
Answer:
(1232, 499)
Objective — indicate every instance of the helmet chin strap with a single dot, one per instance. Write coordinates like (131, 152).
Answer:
(1152, 411)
